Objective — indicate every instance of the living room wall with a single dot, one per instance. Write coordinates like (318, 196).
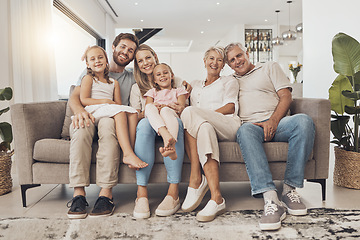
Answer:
(322, 19)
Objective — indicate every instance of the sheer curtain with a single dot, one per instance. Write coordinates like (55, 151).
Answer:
(32, 51)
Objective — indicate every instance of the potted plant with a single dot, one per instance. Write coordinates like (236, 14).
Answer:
(5, 153)
(344, 94)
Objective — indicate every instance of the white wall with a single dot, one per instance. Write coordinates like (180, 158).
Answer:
(237, 34)
(322, 19)
(187, 66)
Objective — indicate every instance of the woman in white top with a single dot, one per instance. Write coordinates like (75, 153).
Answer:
(212, 116)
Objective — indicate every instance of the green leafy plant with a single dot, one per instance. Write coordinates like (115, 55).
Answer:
(5, 127)
(344, 92)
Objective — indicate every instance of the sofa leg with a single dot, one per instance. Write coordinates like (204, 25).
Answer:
(323, 186)
(23, 191)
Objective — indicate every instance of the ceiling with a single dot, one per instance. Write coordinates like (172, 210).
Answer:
(193, 25)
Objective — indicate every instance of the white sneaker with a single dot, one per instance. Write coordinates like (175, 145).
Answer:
(141, 209)
(194, 196)
(210, 211)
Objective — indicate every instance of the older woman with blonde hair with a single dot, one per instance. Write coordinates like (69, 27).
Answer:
(212, 116)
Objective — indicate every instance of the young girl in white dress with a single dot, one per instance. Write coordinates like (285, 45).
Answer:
(162, 118)
(101, 96)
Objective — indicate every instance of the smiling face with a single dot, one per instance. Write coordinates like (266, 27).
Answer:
(96, 59)
(163, 76)
(146, 61)
(239, 60)
(124, 52)
(214, 62)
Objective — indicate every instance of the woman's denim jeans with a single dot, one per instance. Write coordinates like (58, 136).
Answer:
(298, 130)
(145, 150)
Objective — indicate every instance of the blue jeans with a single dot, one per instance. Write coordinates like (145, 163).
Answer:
(145, 150)
(298, 130)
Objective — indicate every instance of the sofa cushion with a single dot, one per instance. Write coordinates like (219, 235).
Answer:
(230, 152)
(56, 151)
(275, 151)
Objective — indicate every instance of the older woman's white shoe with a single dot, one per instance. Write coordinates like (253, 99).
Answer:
(210, 211)
(194, 196)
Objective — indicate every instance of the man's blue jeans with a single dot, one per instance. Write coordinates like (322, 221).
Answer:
(298, 130)
(145, 150)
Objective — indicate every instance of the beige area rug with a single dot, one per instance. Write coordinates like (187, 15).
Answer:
(318, 224)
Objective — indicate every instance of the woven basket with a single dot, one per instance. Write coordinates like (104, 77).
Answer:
(5, 172)
(347, 168)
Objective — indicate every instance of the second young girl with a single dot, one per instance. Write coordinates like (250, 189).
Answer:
(162, 118)
(101, 96)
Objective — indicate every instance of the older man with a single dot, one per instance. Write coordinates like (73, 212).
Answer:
(83, 130)
(264, 100)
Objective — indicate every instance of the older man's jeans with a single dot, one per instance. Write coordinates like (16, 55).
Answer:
(298, 130)
(145, 150)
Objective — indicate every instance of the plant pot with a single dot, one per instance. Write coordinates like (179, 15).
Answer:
(5, 172)
(347, 168)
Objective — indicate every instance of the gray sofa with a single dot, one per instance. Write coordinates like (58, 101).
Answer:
(42, 155)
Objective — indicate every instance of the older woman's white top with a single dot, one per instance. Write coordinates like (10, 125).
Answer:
(216, 95)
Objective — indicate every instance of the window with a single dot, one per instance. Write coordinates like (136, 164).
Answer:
(70, 42)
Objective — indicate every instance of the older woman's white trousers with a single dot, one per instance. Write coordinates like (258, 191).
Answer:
(209, 127)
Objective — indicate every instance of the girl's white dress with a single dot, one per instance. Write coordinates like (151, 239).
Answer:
(102, 90)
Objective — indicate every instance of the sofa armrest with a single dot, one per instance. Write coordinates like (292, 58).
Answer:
(31, 122)
(320, 111)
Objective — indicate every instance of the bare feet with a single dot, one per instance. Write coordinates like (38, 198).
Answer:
(134, 162)
(169, 144)
(169, 149)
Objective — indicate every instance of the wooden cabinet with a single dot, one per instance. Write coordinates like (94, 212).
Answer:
(258, 45)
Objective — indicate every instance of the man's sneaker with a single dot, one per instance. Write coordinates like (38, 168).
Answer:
(104, 206)
(78, 207)
(292, 202)
(272, 216)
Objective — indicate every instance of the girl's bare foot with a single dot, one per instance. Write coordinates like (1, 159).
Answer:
(169, 144)
(134, 162)
(170, 150)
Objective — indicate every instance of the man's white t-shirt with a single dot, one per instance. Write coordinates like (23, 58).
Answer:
(258, 91)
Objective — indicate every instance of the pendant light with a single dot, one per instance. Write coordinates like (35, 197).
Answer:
(277, 41)
(289, 35)
(299, 28)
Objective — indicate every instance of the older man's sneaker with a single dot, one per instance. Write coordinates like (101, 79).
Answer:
(78, 207)
(104, 206)
(292, 202)
(272, 216)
